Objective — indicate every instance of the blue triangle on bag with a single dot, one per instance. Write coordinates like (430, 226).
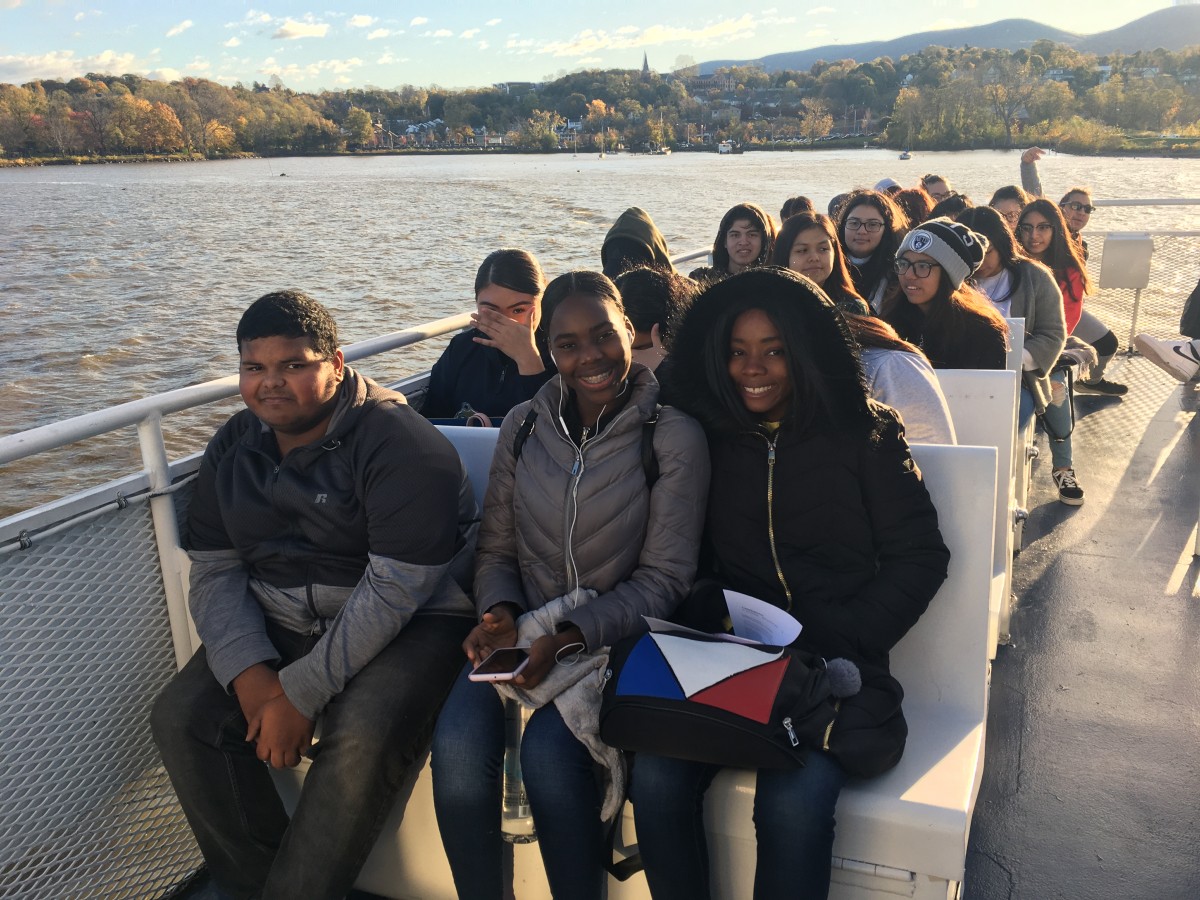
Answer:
(646, 674)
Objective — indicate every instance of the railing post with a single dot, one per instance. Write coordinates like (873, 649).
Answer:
(166, 533)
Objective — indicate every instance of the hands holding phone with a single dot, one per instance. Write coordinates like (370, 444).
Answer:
(498, 630)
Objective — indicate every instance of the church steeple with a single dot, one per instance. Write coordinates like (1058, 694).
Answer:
(645, 67)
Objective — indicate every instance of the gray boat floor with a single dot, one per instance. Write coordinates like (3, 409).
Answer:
(1091, 787)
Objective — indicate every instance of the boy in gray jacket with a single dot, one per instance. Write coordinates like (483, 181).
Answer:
(329, 533)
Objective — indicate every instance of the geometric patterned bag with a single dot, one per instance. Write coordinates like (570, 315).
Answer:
(697, 697)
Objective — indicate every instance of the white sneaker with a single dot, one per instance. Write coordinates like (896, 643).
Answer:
(1180, 359)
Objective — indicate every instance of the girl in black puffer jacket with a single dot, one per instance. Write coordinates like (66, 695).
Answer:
(815, 506)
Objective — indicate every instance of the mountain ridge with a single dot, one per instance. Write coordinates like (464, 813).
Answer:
(1172, 29)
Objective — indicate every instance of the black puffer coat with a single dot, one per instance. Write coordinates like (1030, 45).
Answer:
(841, 532)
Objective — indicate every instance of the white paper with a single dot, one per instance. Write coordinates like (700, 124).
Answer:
(759, 621)
(659, 625)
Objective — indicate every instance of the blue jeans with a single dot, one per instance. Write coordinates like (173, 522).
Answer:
(372, 735)
(560, 780)
(793, 820)
(1058, 416)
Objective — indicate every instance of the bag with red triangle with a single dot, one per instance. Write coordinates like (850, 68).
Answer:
(694, 696)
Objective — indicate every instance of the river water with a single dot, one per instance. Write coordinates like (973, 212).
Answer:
(121, 281)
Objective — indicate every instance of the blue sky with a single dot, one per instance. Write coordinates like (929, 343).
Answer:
(468, 42)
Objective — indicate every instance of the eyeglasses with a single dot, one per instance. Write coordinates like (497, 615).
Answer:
(1011, 217)
(1076, 206)
(920, 268)
(939, 196)
(1041, 228)
(868, 225)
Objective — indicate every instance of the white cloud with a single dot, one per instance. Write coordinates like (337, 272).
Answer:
(386, 60)
(64, 65)
(378, 33)
(440, 33)
(419, 20)
(628, 29)
(469, 33)
(294, 71)
(233, 42)
(516, 45)
(255, 17)
(292, 30)
(821, 10)
(361, 21)
(491, 22)
(819, 32)
(590, 41)
(9, 4)
(483, 45)
(180, 28)
(79, 16)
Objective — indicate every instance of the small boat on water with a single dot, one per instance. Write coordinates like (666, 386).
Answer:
(905, 155)
(1099, 663)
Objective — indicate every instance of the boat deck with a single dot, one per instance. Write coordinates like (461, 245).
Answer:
(1091, 784)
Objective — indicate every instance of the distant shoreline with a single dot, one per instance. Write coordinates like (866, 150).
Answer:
(1191, 152)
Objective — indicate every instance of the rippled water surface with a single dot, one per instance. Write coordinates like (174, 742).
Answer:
(121, 281)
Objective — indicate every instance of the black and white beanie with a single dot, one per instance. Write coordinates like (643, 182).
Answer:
(956, 248)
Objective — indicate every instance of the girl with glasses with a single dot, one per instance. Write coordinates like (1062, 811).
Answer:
(1076, 208)
(949, 320)
(870, 226)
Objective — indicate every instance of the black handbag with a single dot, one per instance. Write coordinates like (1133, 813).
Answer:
(697, 697)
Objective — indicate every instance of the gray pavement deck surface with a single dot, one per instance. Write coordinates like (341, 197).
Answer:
(1092, 780)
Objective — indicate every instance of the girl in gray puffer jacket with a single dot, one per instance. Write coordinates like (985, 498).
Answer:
(583, 534)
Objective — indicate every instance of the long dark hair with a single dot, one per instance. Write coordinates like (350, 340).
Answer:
(1063, 254)
(943, 321)
(870, 331)
(829, 392)
(759, 217)
(916, 204)
(839, 286)
(879, 266)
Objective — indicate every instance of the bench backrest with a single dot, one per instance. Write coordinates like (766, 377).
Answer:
(943, 659)
(475, 447)
(983, 406)
(1016, 345)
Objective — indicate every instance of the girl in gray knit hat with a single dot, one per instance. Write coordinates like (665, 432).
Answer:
(953, 323)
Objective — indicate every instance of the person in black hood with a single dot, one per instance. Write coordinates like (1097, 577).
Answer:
(815, 506)
(499, 362)
(634, 241)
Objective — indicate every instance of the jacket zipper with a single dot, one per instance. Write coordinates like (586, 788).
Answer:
(771, 517)
(572, 486)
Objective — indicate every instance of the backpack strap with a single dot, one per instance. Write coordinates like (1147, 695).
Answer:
(523, 433)
(649, 460)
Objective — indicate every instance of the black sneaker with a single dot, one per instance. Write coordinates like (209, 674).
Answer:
(1069, 491)
(1101, 386)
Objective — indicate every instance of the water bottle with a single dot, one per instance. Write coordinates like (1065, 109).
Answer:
(516, 819)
